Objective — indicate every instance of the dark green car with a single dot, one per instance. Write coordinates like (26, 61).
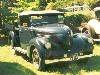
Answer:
(42, 35)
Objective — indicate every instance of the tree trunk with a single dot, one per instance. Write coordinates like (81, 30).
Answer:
(0, 14)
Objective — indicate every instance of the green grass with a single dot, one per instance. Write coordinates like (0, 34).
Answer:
(11, 64)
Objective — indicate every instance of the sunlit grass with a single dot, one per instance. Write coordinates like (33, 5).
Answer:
(11, 64)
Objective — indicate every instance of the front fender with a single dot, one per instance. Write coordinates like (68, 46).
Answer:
(36, 43)
(81, 43)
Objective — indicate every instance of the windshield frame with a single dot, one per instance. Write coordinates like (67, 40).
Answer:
(47, 19)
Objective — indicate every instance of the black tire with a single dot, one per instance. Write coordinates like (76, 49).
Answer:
(87, 32)
(87, 53)
(11, 38)
(10, 42)
(38, 59)
(90, 51)
(17, 53)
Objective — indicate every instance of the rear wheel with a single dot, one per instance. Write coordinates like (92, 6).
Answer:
(10, 41)
(88, 52)
(38, 59)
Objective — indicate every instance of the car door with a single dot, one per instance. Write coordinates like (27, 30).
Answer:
(25, 36)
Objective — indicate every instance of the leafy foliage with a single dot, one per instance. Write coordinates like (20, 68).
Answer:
(95, 4)
(13, 7)
(59, 4)
(76, 19)
(7, 14)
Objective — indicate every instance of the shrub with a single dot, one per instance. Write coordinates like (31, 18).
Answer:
(95, 4)
(50, 6)
(75, 20)
(59, 4)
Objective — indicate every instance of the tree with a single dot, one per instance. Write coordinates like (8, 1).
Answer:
(48, 1)
(0, 13)
(8, 16)
(42, 4)
(95, 4)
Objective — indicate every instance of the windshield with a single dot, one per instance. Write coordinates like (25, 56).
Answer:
(46, 19)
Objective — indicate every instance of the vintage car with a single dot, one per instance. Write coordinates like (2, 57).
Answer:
(93, 26)
(42, 35)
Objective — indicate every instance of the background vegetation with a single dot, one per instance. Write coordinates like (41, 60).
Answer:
(9, 9)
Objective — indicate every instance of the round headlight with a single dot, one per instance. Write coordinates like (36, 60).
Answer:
(90, 40)
(48, 45)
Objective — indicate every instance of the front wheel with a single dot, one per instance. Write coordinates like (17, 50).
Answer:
(11, 38)
(88, 52)
(38, 59)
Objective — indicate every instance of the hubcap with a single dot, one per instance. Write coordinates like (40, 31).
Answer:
(35, 58)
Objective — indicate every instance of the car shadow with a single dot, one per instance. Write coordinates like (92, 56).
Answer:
(97, 43)
(7, 68)
(74, 67)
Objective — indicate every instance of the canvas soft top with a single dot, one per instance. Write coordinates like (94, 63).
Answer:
(45, 12)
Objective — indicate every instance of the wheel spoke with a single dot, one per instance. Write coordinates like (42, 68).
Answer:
(35, 58)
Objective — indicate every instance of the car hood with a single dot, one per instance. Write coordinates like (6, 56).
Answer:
(52, 29)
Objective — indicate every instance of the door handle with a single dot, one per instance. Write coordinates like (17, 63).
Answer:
(21, 32)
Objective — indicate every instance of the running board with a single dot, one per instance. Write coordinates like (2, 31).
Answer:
(68, 59)
(86, 56)
(20, 50)
(96, 39)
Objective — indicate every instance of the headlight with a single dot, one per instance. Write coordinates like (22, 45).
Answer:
(48, 45)
(90, 40)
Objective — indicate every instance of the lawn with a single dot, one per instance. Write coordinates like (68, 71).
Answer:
(11, 64)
